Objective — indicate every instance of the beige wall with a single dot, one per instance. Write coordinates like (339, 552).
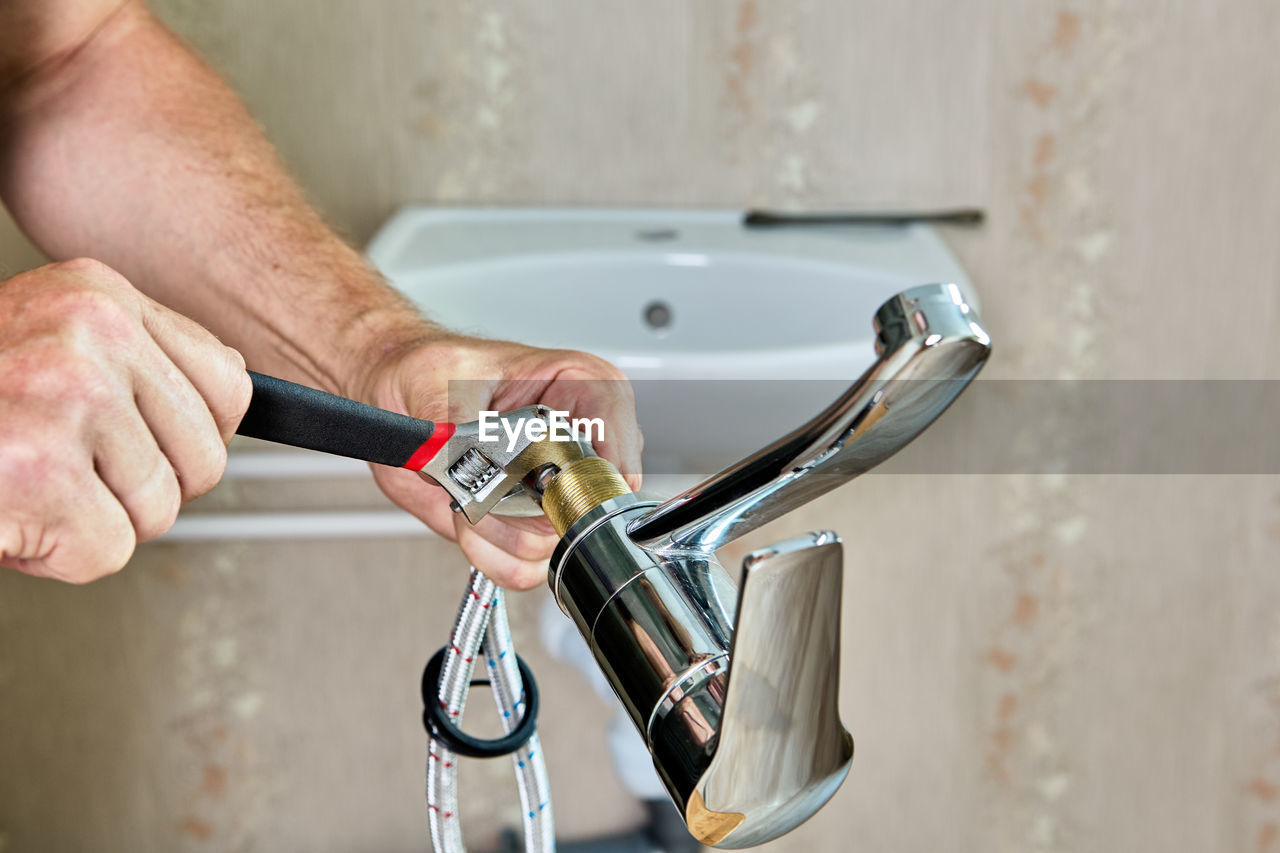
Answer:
(1031, 662)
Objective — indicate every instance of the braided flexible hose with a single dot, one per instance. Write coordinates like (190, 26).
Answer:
(482, 621)
(531, 771)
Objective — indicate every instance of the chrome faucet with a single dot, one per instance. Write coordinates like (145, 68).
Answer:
(734, 687)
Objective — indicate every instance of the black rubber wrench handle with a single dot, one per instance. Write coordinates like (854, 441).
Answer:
(288, 413)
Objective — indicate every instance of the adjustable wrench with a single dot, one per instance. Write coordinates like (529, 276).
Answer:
(480, 476)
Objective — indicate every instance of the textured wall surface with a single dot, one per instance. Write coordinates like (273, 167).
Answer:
(1031, 662)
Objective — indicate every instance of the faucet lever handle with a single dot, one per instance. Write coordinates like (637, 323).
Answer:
(783, 750)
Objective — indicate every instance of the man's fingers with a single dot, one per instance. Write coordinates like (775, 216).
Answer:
(513, 551)
(85, 537)
(104, 432)
(409, 491)
(622, 446)
(131, 465)
(506, 569)
(622, 441)
(96, 538)
(503, 376)
(581, 391)
(216, 372)
(180, 420)
(526, 539)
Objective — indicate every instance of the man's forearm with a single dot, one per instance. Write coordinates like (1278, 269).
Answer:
(133, 151)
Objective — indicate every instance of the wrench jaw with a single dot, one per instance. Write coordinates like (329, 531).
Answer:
(488, 475)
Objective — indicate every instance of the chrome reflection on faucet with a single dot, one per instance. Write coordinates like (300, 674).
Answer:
(734, 687)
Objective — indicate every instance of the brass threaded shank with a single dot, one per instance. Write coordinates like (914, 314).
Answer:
(580, 487)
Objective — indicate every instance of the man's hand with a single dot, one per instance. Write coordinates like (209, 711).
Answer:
(500, 376)
(114, 410)
(117, 142)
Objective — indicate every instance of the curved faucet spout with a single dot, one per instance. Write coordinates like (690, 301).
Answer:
(930, 344)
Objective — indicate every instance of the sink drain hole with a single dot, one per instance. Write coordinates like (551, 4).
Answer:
(657, 315)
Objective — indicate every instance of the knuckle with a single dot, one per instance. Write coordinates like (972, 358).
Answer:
(62, 368)
(35, 461)
(234, 402)
(102, 567)
(528, 575)
(21, 458)
(235, 359)
(113, 552)
(593, 364)
(204, 472)
(154, 525)
(75, 291)
(160, 510)
(88, 268)
(613, 372)
(72, 377)
(65, 532)
(104, 557)
(533, 547)
(99, 543)
(97, 388)
(82, 319)
(94, 310)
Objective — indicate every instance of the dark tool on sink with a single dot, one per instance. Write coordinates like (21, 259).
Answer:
(785, 219)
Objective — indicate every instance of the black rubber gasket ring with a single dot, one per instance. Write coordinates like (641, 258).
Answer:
(440, 727)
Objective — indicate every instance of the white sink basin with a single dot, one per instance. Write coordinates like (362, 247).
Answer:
(671, 294)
